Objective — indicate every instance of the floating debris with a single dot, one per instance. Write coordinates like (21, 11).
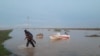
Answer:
(57, 30)
(40, 35)
(95, 35)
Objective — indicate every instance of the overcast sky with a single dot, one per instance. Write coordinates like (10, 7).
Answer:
(50, 13)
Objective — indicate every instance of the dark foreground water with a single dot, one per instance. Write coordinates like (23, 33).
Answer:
(76, 45)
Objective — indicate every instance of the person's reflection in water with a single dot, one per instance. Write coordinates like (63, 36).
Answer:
(30, 51)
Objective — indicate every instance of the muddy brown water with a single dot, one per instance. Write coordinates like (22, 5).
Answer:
(76, 45)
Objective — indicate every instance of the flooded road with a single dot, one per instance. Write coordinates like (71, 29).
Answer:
(76, 45)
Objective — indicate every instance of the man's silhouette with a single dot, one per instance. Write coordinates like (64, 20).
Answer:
(29, 38)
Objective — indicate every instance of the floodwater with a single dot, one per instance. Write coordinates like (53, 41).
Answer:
(76, 45)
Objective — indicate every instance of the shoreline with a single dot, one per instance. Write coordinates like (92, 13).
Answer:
(4, 35)
(64, 28)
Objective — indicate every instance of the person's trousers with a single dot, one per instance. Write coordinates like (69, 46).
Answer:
(31, 42)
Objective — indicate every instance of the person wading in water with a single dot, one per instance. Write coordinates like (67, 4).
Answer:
(29, 38)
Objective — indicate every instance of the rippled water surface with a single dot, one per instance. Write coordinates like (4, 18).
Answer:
(76, 45)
